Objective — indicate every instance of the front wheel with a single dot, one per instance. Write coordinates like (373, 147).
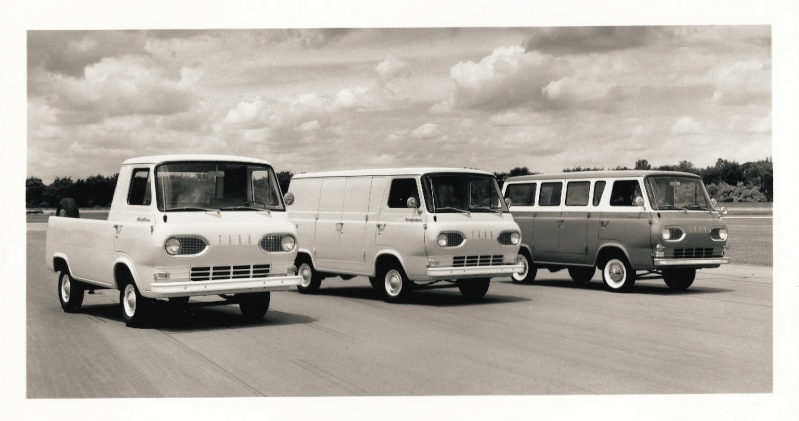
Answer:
(254, 305)
(581, 275)
(70, 293)
(311, 279)
(474, 289)
(396, 285)
(679, 279)
(527, 275)
(135, 307)
(618, 274)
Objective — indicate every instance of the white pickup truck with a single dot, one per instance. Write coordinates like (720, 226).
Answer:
(179, 226)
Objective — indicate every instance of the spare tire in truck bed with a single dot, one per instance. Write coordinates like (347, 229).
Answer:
(67, 208)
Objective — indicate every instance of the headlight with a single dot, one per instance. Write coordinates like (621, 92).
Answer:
(514, 238)
(442, 240)
(509, 238)
(719, 234)
(288, 243)
(172, 246)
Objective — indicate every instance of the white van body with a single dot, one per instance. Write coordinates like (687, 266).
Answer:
(662, 223)
(384, 224)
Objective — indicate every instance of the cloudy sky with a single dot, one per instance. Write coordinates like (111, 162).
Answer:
(488, 98)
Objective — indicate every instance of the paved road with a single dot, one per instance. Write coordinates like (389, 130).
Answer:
(545, 338)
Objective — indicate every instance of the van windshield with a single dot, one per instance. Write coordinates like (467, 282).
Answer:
(677, 193)
(215, 186)
(462, 193)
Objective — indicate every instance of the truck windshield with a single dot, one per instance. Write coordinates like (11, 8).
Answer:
(203, 186)
(462, 192)
(677, 193)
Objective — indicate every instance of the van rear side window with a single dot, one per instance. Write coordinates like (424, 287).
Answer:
(401, 190)
(599, 188)
(521, 194)
(577, 193)
(550, 194)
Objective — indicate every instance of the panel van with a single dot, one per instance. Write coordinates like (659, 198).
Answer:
(404, 229)
(628, 224)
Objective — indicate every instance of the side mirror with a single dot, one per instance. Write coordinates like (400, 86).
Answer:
(412, 203)
(288, 198)
(723, 211)
(507, 201)
(639, 201)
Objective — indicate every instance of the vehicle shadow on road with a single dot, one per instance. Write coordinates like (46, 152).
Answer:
(638, 288)
(432, 297)
(189, 318)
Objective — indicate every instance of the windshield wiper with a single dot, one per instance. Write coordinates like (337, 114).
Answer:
(465, 212)
(485, 207)
(694, 206)
(243, 208)
(193, 208)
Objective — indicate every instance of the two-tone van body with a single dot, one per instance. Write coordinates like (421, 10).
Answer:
(179, 226)
(622, 222)
(404, 229)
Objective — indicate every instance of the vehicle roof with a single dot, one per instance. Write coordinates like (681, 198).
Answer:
(598, 174)
(158, 159)
(390, 171)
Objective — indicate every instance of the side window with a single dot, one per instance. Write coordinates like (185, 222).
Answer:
(139, 193)
(550, 194)
(599, 188)
(401, 190)
(521, 194)
(625, 193)
(577, 193)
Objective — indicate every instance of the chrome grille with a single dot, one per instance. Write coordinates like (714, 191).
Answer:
(483, 260)
(213, 273)
(270, 242)
(191, 245)
(692, 253)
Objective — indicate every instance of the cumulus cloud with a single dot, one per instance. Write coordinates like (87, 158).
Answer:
(70, 52)
(511, 118)
(685, 126)
(392, 68)
(742, 82)
(568, 40)
(573, 90)
(426, 131)
(507, 78)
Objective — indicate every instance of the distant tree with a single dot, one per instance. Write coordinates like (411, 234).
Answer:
(516, 171)
(34, 190)
(284, 179)
(60, 188)
(642, 164)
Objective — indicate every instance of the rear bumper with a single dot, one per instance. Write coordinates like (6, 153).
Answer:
(226, 286)
(440, 273)
(706, 262)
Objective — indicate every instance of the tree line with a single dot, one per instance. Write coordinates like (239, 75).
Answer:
(726, 181)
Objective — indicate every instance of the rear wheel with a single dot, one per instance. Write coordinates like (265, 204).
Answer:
(474, 289)
(70, 293)
(527, 275)
(581, 275)
(396, 285)
(618, 274)
(679, 279)
(254, 305)
(135, 307)
(311, 279)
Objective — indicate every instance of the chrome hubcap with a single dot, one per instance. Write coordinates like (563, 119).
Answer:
(521, 260)
(393, 282)
(129, 300)
(616, 272)
(305, 273)
(66, 288)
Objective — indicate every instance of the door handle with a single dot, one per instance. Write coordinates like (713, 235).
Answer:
(381, 227)
(118, 227)
(604, 223)
(339, 226)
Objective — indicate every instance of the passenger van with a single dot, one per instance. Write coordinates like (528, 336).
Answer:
(629, 224)
(405, 229)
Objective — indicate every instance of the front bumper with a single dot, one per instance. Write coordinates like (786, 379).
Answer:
(704, 262)
(225, 286)
(441, 273)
